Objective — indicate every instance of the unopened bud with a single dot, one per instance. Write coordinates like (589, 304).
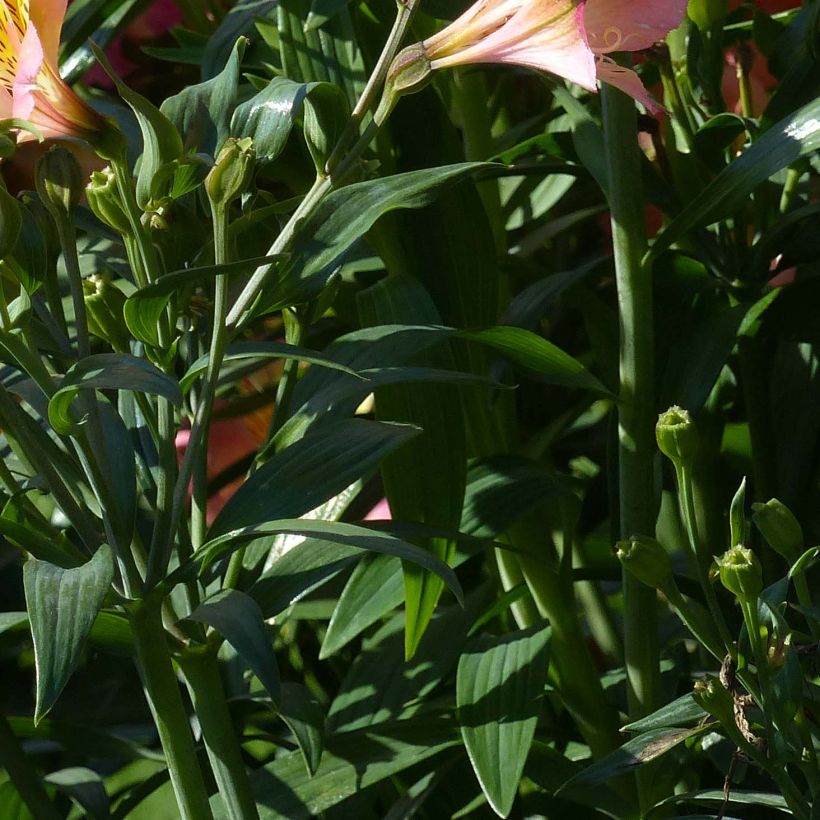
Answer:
(11, 222)
(232, 171)
(741, 573)
(780, 528)
(59, 181)
(677, 436)
(409, 72)
(104, 304)
(710, 694)
(648, 561)
(104, 200)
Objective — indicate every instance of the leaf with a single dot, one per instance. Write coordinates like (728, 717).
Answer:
(239, 20)
(352, 762)
(635, 752)
(144, 308)
(62, 605)
(312, 470)
(237, 617)
(305, 718)
(261, 351)
(374, 588)
(347, 538)
(108, 371)
(202, 113)
(680, 712)
(499, 685)
(344, 216)
(795, 136)
(537, 356)
(737, 516)
(162, 143)
(381, 685)
(83, 786)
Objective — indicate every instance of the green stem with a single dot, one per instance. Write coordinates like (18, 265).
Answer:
(404, 16)
(25, 779)
(237, 315)
(700, 552)
(201, 671)
(165, 702)
(636, 409)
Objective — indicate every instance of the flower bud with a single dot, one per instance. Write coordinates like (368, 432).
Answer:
(677, 436)
(741, 573)
(232, 171)
(59, 181)
(708, 14)
(710, 694)
(648, 561)
(780, 528)
(104, 304)
(409, 72)
(105, 202)
(11, 222)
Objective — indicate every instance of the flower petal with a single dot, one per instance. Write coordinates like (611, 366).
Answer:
(47, 16)
(630, 25)
(628, 81)
(29, 63)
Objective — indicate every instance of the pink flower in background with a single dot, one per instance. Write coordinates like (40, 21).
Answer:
(156, 21)
(568, 38)
(30, 84)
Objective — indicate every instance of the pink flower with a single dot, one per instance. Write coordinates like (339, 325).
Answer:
(568, 38)
(30, 84)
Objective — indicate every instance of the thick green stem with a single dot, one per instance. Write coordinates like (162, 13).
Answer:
(165, 702)
(201, 671)
(636, 410)
(21, 773)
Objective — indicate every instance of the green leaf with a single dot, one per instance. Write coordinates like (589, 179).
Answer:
(239, 20)
(261, 351)
(499, 686)
(62, 605)
(202, 113)
(352, 761)
(380, 686)
(536, 355)
(84, 787)
(317, 467)
(374, 588)
(305, 718)
(12, 806)
(145, 307)
(108, 371)
(738, 524)
(344, 216)
(162, 143)
(795, 136)
(635, 752)
(348, 538)
(680, 712)
(238, 618)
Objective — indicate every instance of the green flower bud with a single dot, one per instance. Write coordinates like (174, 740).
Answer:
(780, 528)
(409, 72)
(11, 222)
(707, 14)
(741, 573)
(104, 304)
(710, 694)
(649, 562)
(232, 171)
(59, 181)
(104, 200)
(677, 436)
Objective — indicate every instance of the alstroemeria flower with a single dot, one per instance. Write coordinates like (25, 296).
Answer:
(30, 84)
(568, 38)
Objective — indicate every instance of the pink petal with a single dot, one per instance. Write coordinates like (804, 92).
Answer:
(630, 25)
(29, 64)
(47, 16)
(628, 81)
